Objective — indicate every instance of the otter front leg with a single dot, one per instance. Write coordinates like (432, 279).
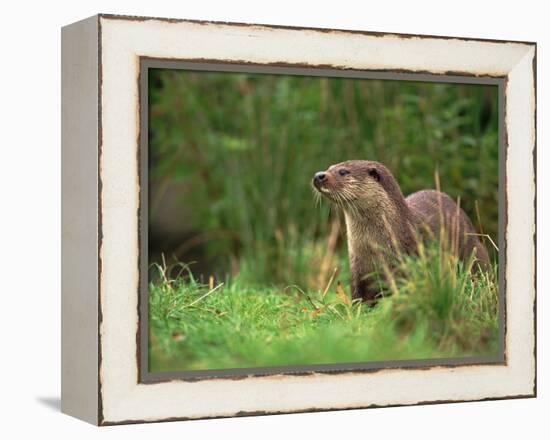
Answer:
(364, 290)
(363, 286)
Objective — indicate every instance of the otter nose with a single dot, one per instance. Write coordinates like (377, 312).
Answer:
(320, 177)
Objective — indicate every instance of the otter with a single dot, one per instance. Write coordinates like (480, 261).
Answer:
(381, 222)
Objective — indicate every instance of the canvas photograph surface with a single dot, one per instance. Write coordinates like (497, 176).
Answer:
(298, 222)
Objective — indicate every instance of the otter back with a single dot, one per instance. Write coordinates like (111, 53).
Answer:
(439, 213)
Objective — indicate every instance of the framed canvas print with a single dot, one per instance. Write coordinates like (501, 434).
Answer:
(264, 219)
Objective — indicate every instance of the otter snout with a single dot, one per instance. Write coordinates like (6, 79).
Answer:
(323, 181)
(319, 178)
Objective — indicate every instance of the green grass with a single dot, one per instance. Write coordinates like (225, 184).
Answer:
(434, 308)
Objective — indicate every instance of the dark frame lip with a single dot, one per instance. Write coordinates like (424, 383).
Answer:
(304, 69)
(142, 334)
(319, 369)
(100, 414)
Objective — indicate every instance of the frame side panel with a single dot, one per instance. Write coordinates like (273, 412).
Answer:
(79, 217)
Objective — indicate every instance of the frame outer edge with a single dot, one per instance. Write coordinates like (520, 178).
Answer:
(535, 202)
(79, 220)
(142, 18)
(108, 420)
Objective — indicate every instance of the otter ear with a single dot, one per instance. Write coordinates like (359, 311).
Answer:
(373, 172)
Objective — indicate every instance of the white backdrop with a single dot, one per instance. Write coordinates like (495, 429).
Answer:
(30, 217)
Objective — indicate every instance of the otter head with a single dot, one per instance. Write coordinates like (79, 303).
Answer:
(358, 186)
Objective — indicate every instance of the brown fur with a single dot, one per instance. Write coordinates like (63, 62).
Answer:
(381, 222)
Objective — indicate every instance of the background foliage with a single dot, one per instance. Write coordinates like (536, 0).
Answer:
(237, 153)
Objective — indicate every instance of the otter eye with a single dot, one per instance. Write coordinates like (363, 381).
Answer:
(374, 174)
(343, 172)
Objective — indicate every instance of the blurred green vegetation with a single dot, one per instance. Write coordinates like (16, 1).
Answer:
(242, 149)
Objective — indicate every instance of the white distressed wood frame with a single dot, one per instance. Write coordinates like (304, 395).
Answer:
(101, 65)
